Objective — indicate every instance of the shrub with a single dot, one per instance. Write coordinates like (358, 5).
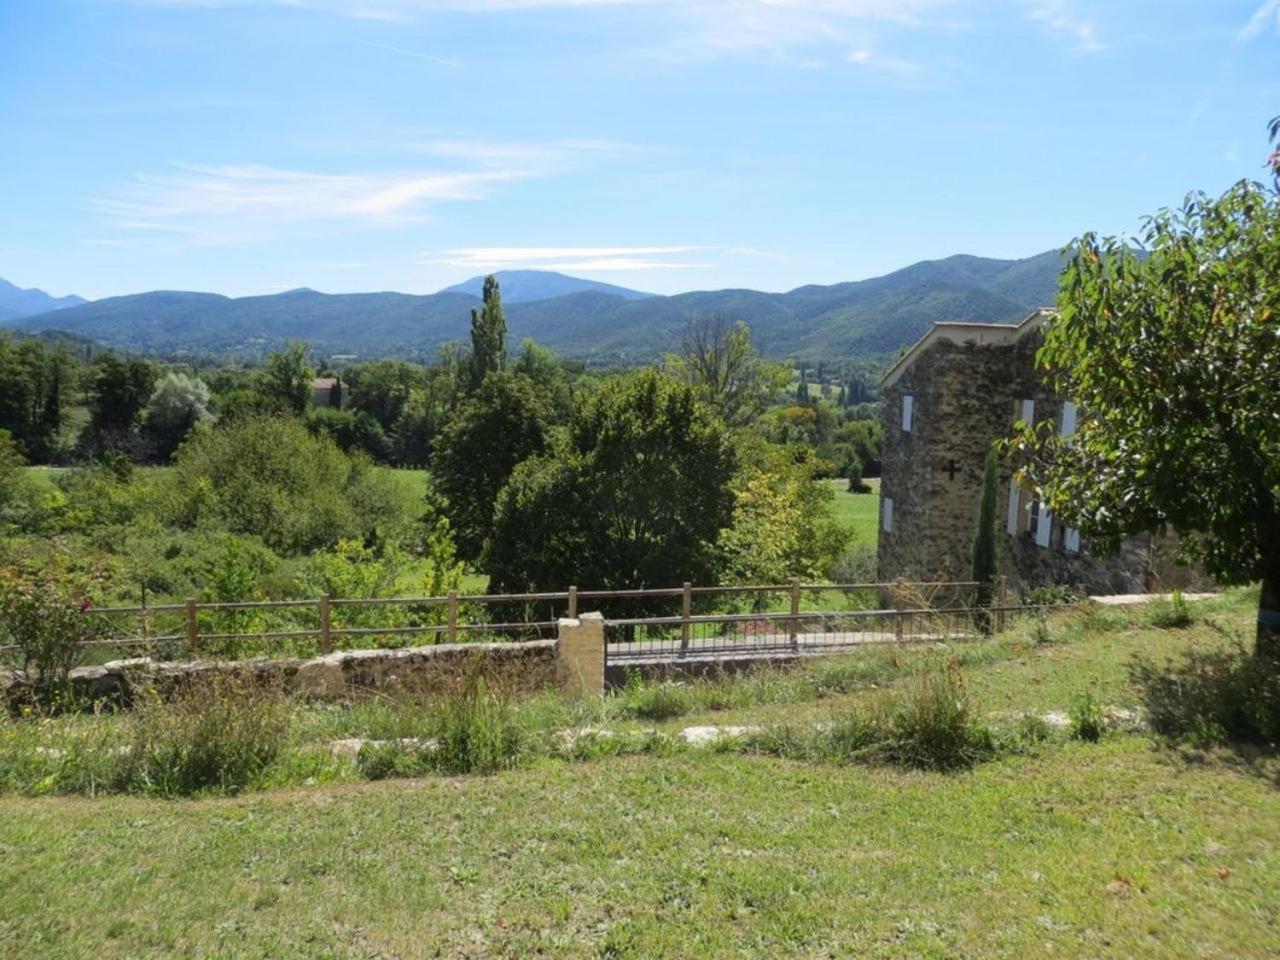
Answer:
(268, 476)
(43, 614)
(219, 735)
(1087, 720)
(1212, 697)
(932, 725)
(1028, 731)
(650, 700)
(381, 761)
(857, 564)
(1171, 613)
(1050, 595)
(928, 726)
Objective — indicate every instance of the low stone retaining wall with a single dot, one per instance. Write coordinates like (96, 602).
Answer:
(519, 667)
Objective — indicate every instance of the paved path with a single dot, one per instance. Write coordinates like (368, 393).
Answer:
(1130, 599)
(762, 646)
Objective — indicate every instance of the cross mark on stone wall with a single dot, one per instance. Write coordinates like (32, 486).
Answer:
(951, 469)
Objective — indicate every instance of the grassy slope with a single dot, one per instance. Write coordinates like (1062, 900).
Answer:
(1116, 849)
(861, 511)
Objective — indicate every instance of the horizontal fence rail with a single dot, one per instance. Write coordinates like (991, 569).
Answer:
(725, 636)
(641, 623)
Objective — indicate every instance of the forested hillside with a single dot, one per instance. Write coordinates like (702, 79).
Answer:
(861, 318)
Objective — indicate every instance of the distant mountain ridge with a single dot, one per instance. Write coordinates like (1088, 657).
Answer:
(873, 317)
(16, 302)
(522, 286)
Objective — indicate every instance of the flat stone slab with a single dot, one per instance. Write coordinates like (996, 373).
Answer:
(1133, 599)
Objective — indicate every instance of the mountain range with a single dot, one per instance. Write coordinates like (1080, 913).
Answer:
(579, 319)
(521, 286)
(16, 302)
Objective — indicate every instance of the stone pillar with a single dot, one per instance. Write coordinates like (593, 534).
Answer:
(580, 654)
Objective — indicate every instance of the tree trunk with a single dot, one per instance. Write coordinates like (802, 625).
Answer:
(1267, 644)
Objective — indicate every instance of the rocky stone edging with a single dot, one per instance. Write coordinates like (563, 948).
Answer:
(519, 666)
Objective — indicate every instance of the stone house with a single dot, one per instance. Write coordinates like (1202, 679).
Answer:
(327, 392)
(959, 388)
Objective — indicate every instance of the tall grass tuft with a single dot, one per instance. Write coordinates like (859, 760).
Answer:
(1087, 721)
(929, 725)
(1170, 614)
(932, 726)
(476, 730)
(219, 735)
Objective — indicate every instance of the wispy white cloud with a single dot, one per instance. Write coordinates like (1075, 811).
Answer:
(895, 66)
(411, 53)
(1267, 16)
(1065, 18)
(227, 203)
(590, 258)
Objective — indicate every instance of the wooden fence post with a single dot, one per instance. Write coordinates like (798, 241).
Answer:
(453, 616)
(572, 612)
(193, 627)
(1002, 601)
(793, 627)
(326, 625)
(686, 611)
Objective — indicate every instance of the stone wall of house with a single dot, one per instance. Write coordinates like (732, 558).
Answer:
(965, 396)
(932, 474)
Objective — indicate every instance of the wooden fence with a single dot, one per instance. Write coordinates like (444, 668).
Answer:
(328, 621)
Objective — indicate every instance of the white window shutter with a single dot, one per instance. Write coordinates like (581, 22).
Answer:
(1068, 418)
(887, 511)
(1071, 540)
(1044, 524)
(1028, 412)
(908, 403)
(1011, 522)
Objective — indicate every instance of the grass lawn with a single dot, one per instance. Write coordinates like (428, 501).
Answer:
(860, 511)
(1123, 848)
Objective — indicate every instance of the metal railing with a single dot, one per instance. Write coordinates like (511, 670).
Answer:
(323, 624)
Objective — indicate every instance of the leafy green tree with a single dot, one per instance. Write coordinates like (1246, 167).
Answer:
(504, 422)
(287, 376)
(271, 477)
(381, 389)
(541, 365)
(352, 430)
(718, 360)
(36, 380)
(782, 525)
(636, 497)
(119, 390)
(16, 493)
(177, 404)
(985, 557)
(488, 335)
(1174, 361)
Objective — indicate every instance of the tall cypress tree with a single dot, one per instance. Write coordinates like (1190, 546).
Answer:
(985, 559)
(488, 334)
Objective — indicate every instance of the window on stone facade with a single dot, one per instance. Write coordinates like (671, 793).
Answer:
(1041, 524)
(1068, 418)
(908, 402)
(1071, 540)
(886, 513)
(1015, 503)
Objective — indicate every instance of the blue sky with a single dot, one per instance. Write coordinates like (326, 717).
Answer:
(250, 146)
